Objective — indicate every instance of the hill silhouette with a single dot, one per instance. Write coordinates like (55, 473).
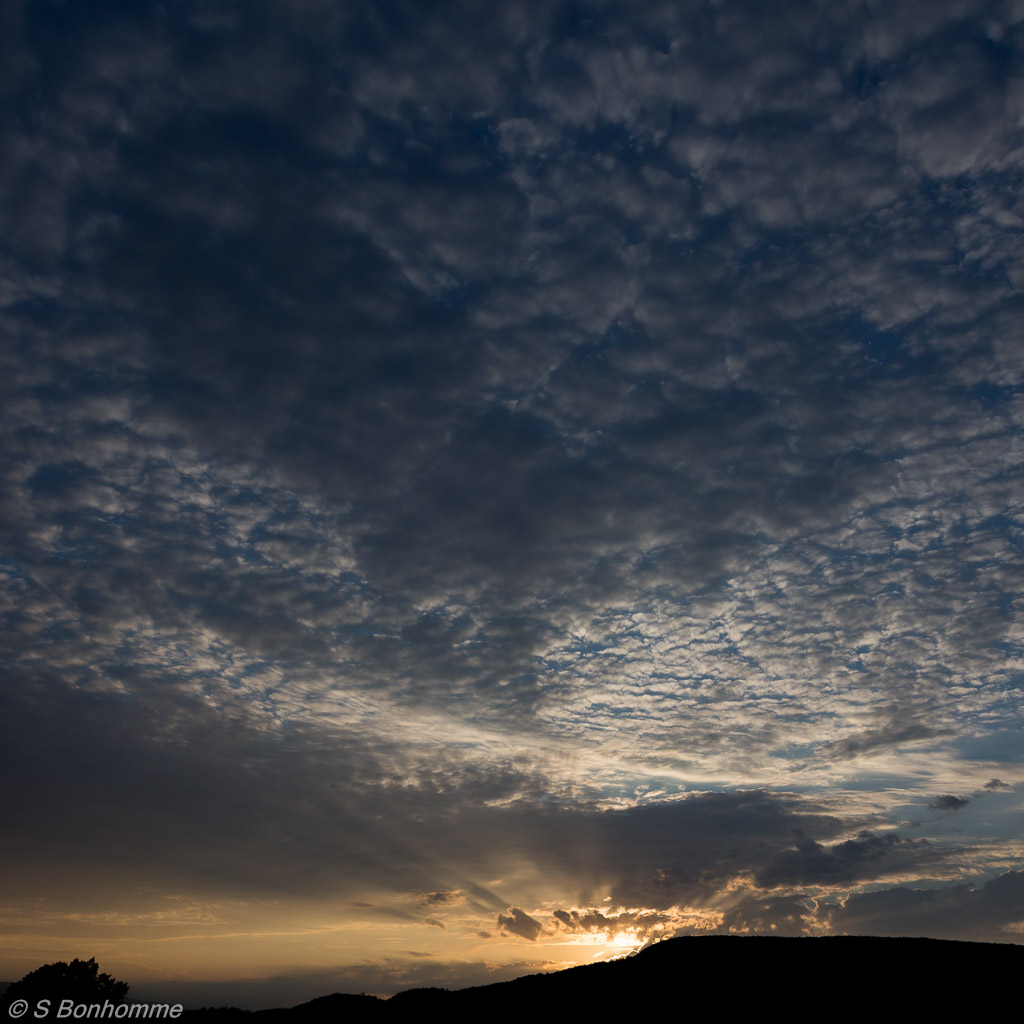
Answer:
(838, 976)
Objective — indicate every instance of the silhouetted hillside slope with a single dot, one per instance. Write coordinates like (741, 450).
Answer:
(838, 976)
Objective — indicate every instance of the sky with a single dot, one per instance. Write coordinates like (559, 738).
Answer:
(484, 487)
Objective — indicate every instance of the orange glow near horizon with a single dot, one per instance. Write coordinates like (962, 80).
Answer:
(248, 942)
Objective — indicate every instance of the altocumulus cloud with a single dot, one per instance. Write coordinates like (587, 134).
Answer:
(535, 455)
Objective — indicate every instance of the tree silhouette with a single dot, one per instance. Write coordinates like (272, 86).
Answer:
(79, 980)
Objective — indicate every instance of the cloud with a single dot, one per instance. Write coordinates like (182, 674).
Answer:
(442, 898)
(643, 924)
(590, 505)
(868, 856)
(217, 814)
(518, 922)
(889, 736)
(780, 916)
(990, 913)
(948, 802)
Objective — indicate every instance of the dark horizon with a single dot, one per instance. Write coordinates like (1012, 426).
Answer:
(895, 965)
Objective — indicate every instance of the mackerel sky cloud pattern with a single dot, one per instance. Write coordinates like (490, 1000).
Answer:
(514, 474)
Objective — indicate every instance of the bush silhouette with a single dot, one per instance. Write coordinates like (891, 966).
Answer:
(79, 980)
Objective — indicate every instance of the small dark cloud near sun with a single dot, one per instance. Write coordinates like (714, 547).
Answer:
(447, 898)
(518, 922)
